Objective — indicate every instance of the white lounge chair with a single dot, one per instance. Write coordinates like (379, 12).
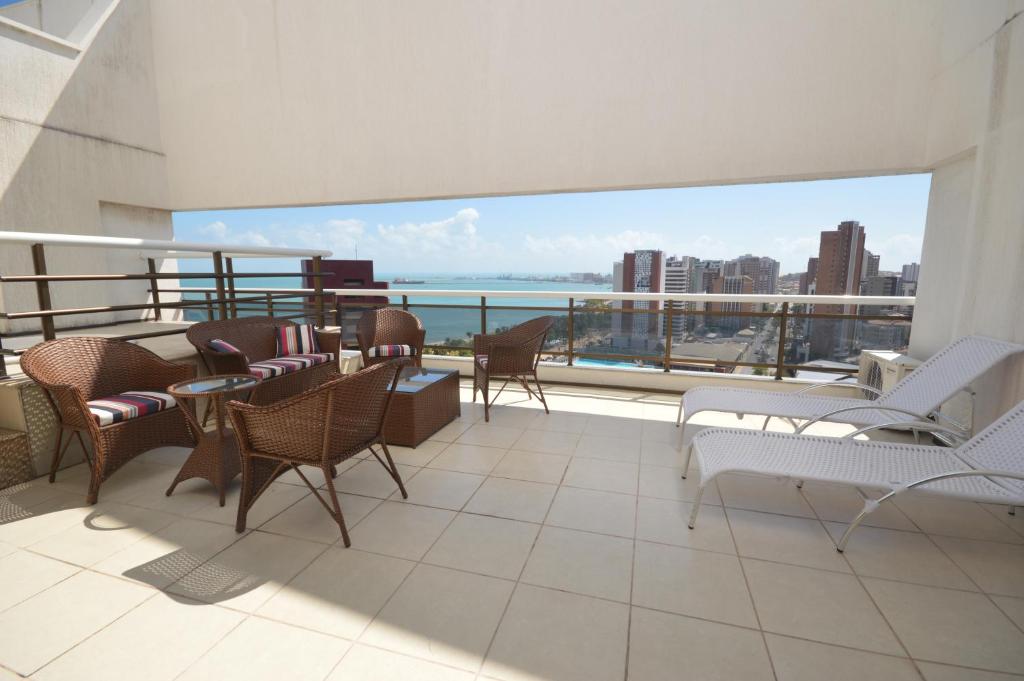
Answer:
(914, 398)
(987, 468)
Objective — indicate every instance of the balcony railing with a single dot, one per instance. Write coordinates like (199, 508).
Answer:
(222, 301)
(769, 334)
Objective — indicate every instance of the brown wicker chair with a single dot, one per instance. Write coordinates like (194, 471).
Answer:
(76, 370)
(512, 355)
(387, 326)
(256, 338)
(321, 427)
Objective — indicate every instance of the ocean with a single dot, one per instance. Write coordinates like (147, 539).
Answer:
(444, 324)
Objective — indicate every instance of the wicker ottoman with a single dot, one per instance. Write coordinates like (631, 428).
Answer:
(425, 401)
(15, 459)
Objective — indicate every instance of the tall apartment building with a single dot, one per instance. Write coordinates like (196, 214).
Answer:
(642, 272)
(840, 265)
(763, 272)
(807, 278)
(678, 278)
(871, 263)
(702, 281)
(911, 272)
(735, 285)
(885, 285)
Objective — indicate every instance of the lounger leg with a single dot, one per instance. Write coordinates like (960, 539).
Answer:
(696, 507)
(869, 506)
(686, 461)
(764, 426)
(679, 415)
(1012, 510)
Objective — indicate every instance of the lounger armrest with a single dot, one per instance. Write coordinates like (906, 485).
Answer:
(831, 384)
(873, 407)
(924, 426)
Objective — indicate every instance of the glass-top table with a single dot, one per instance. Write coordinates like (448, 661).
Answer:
(209, 385)
(425, 401)
(414, 379)
(215, 457)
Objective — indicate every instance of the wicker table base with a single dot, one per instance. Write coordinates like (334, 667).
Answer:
(419, 411)
(216, 457)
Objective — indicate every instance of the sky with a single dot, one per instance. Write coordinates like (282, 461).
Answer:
(587, 232)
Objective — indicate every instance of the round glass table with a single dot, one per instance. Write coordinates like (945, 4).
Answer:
(215, 457)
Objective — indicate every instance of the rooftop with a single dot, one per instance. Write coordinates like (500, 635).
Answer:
(532, 547)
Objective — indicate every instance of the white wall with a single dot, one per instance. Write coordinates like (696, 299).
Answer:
(972, 268)
(78, 130)
(320, 101)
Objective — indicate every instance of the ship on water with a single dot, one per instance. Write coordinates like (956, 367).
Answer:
(403, 280)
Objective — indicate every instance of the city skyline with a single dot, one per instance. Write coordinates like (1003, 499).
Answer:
(588, 231)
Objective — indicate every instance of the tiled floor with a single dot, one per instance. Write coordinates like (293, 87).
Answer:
(533, 547)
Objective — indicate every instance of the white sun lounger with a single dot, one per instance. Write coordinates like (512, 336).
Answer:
(914, 398)
(987, 468)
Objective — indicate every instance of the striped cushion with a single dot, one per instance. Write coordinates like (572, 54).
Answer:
(279, 366)
(391, 351)
(129, 405)
(297, 339)
(218, 345)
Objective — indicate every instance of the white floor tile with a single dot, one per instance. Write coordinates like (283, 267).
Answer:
(400, 530)
(664, 647)
(468, 459)
(784, 539)
(248, 572)
(828, 607)
(581, 562)
(665, 521)
(550, 634)
(25, 574)
(531, 466)
(259, 649)
(484, 544)
(339, 593)
(441, 615)
(689, 582)
(363, 663)
(440, 489)
(514, 499)
(797, 660)
(157, 640)
(82, 605)
(594, 511)
(609, 476)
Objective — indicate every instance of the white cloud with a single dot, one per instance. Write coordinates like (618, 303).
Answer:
(457, 234)
(897, 250)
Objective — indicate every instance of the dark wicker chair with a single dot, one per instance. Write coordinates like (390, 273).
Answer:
(256, 338)
(321, 427)
(512, 355)
(73, 371)
(387, 326)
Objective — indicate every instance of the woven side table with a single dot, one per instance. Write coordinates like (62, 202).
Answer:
(216, 457)
(425, 401)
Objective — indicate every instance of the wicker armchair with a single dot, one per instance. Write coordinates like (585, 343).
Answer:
(387, 326)
(256, 338)
(512, 355)
(321, 427)
(74, 371)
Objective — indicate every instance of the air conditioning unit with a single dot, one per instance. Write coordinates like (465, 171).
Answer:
(882, 369)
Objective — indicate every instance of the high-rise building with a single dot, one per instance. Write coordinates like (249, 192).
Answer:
(885, 285)
(678, 277)
(702, 281)
(763, 272)
(807, 278)
(738, 285)
(840, 264)
(911, 272)
(870, 268)
(642, 272)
